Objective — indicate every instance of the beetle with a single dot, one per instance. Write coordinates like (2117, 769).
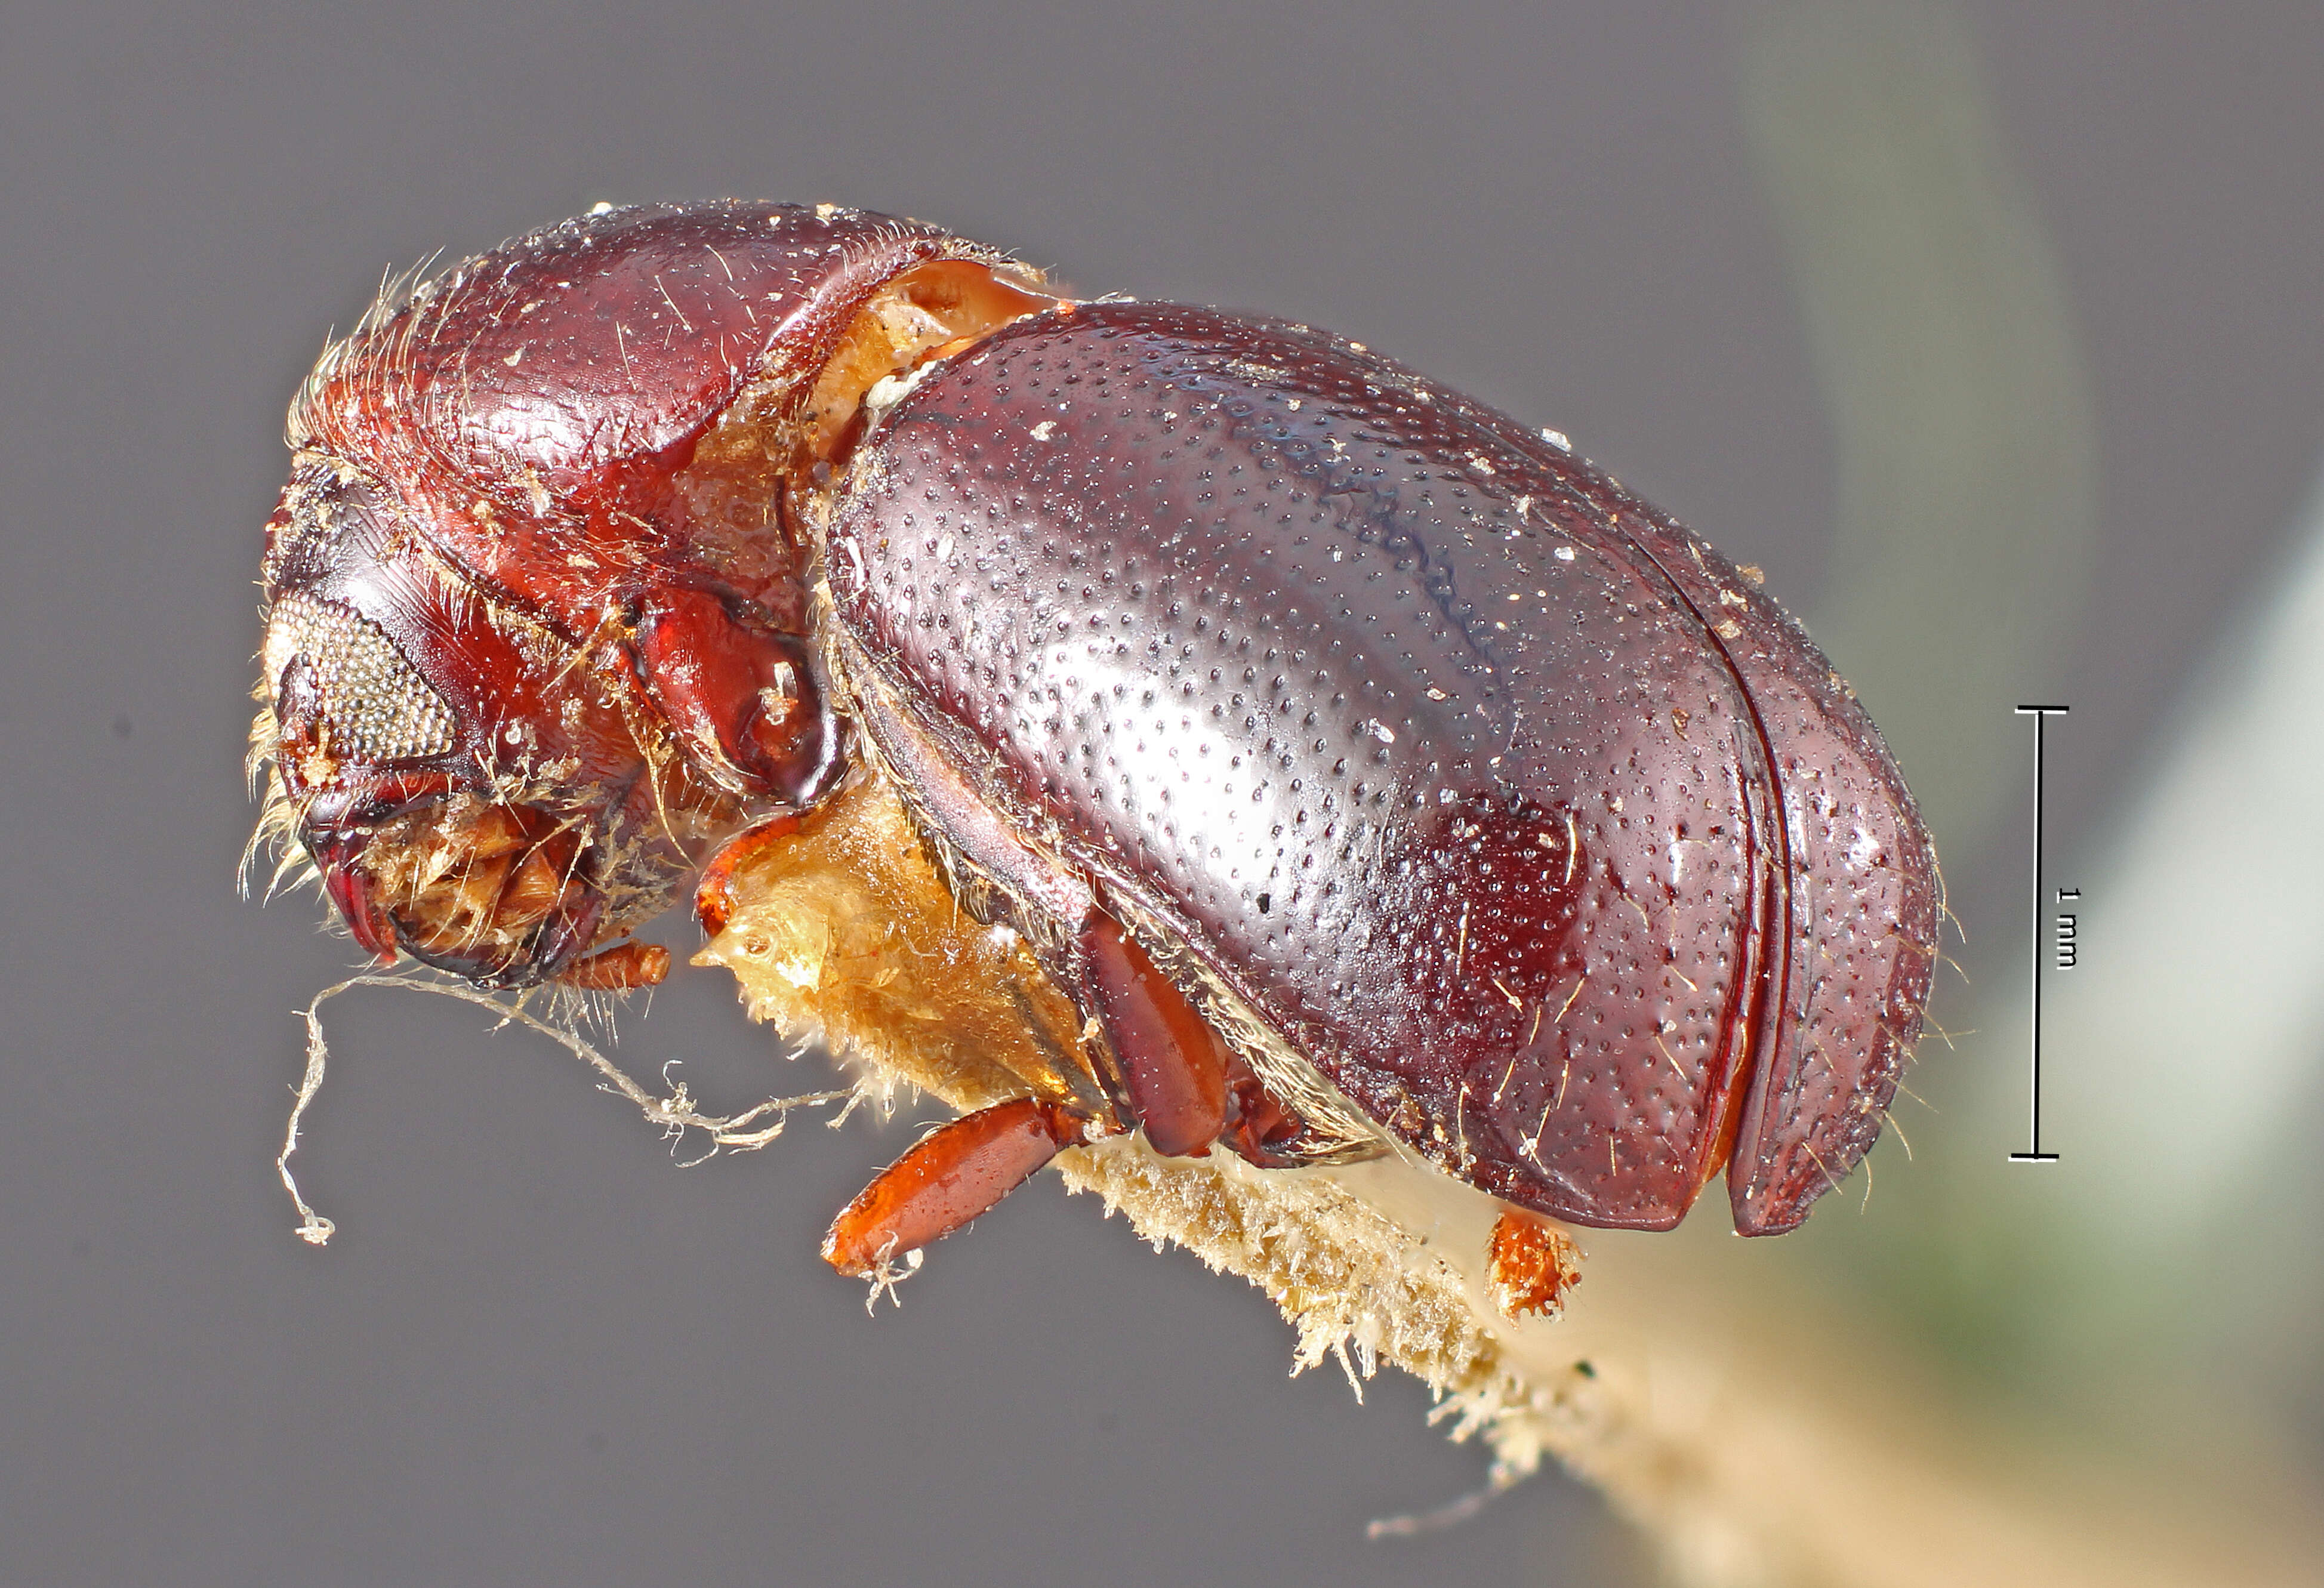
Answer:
(1362, 769)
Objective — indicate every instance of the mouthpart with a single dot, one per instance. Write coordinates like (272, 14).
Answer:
(502, 896)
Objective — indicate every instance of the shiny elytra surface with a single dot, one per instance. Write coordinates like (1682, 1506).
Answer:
(1374, 700)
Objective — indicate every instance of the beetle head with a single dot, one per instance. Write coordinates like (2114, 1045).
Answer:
(475, 788)
(535, 614)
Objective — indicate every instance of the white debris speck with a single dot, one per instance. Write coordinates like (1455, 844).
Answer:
(1381, 731)
(1557, 439)
(1563, 554)
(1044, 430)
(1436, 694)
(944, 549)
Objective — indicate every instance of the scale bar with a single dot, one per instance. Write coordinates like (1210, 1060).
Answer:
(2038, 713)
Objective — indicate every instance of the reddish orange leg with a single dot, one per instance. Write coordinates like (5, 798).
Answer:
(618, 969)
(1531, 1264)
(950, 1176)
(1173, 1064)
(714, 896)
(1182, 1083)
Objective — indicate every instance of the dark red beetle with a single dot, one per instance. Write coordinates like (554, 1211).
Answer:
(1358, 763)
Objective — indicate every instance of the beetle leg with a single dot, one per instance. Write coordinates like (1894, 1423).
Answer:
(737, 693)
(1258, 1127)
(1173, 1064)
(1531, 1264)
(714, 895)
(949, 1177)
(618, 969)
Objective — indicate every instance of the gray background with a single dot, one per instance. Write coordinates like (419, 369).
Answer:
(538, 1353)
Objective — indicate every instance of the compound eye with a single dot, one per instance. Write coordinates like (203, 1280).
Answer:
(357, 694)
